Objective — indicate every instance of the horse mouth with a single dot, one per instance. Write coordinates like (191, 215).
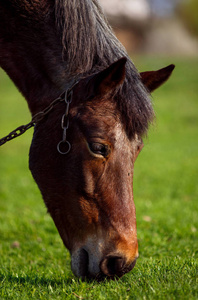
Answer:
(111, 267)
(130, 267)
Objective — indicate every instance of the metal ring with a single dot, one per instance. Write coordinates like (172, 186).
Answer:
(65, 143)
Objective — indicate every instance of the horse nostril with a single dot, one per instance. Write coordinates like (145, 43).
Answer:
(113, 265)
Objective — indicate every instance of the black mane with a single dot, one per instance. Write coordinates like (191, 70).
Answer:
(89, 46)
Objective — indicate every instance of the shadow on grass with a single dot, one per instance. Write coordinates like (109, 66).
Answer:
(36, 280)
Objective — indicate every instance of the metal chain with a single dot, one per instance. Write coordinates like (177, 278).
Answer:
(15, 133)
(67, 97)
(39, 116)
(64, 146)
(35, 119)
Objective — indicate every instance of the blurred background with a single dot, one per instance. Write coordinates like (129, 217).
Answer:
(155, 26)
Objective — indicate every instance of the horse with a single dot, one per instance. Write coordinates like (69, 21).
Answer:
(91, 109)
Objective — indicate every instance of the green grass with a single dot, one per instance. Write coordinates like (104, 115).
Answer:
(33, 262)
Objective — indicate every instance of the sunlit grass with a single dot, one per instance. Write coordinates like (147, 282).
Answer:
(33, 262)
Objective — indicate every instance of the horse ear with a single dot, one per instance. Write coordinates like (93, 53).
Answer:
(109, 79)
(153, 79)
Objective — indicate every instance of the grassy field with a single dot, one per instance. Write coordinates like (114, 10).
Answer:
(33, 262)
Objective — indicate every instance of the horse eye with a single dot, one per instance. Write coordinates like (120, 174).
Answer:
(100, 149)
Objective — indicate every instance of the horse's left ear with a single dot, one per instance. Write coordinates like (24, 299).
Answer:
(109, 79)
(153, 79)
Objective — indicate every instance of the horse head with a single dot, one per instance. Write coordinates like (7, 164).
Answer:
(89, 191)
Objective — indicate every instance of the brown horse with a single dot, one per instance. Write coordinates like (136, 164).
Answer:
(83, 151)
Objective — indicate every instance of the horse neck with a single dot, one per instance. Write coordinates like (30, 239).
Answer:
(32, 58)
